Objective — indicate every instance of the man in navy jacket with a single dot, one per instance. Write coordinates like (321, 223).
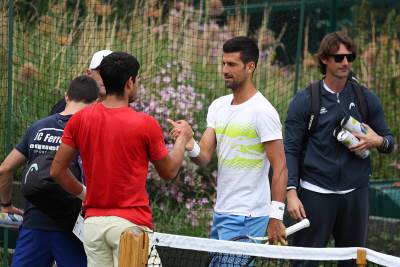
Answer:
(328, 182)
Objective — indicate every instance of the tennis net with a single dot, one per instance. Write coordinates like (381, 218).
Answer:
(169, 250)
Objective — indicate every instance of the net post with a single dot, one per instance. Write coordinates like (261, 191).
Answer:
(133, 248)
(361, 260)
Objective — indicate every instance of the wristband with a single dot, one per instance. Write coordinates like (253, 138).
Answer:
(195, 152)
(82, 195)
(6, 205)
(277, 209)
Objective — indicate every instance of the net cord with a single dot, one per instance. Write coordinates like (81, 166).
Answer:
(269, 251)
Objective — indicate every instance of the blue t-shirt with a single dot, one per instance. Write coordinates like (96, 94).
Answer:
(41, 137)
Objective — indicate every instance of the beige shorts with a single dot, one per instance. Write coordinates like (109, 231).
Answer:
(101, 239)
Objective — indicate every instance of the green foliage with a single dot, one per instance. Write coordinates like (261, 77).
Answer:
(178, 219)
(377, 34)
(54, 41)
(387, 241)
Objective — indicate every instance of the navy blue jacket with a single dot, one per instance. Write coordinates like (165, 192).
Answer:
(328, 163)
(41, 137)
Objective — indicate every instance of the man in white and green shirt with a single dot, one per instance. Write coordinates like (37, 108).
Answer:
(245, 131)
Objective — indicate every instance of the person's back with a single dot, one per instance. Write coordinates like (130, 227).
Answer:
(116, 143)
(43, 238)
(42, 137)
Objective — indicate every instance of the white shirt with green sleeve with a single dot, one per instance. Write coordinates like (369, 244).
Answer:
(242, 182)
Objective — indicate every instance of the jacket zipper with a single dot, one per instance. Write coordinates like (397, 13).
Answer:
(337, 154)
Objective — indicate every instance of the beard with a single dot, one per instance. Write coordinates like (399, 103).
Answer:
(233, 84)
(341, 74)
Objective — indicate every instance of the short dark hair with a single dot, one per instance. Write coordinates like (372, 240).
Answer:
(330, 45)
(247, 47)
(116, 69)
(83, 89)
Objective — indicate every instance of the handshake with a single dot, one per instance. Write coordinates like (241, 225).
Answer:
(182, 130)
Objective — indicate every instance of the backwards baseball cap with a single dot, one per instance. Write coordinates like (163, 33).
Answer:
(98, 57)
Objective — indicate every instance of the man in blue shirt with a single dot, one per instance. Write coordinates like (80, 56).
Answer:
(42, 239)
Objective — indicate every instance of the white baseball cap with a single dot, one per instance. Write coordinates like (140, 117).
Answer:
(98, 57)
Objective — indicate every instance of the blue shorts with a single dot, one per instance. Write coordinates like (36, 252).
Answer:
(227, 226)
(40, 248)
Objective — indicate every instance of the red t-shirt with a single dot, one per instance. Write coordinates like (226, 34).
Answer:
(116, 145)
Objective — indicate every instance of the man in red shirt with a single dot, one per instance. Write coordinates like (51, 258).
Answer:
(116, 144)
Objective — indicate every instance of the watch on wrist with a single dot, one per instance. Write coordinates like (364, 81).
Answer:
(385, 144)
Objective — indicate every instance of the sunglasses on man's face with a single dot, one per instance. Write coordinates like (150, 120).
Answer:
(339, 57)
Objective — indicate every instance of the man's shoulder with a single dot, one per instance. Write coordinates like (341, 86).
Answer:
(372, 100)
(261, 104)
(142, 119)
(303, 97)
(220, 103)
(223, 100)
(259, 98)
(368, 93)
(44, 122)
(306, 90)
(140, 115)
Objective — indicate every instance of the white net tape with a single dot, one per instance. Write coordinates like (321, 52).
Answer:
(270, 251)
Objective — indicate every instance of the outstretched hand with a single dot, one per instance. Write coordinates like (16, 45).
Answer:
(176, 131)
(182, 129)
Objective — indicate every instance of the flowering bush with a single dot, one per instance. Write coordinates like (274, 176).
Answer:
(169, 94)
(54, 41)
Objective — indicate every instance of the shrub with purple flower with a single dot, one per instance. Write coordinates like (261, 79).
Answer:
(170, 94)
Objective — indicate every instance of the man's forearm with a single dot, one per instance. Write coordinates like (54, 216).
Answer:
(67, 181)
(279, 184)
(278, 194)
(177, 155)
(206, 148)
(7, 168)
(203, 158)
(60, 172)
(292, 163)
(5, 187)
